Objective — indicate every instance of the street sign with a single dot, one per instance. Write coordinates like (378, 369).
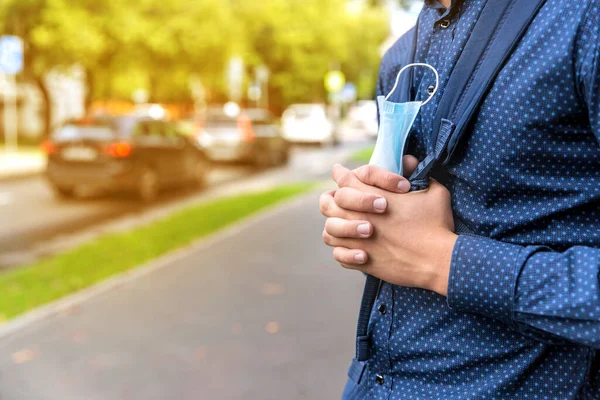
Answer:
(349, 92)
(254, 91)
(334, 81)
(11, 55)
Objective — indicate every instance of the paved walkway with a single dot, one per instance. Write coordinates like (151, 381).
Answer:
(261, 314)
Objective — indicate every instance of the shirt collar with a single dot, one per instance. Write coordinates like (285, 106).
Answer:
(443, 11)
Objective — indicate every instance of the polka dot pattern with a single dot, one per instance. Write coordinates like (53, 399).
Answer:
(522, 317)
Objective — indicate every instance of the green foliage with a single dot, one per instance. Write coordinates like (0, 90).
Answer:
(159, 44)
(362, 156)
(52, 278)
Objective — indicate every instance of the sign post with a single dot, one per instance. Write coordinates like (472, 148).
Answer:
(235, 78)
(262, 77)
(11, 63)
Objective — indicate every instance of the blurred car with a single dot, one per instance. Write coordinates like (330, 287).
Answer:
(230, 134)
(307, 123)
(363, 116)
(133, 153)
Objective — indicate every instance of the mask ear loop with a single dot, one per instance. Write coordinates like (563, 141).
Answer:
(437, 80)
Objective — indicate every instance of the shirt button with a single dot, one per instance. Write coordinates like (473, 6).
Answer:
(382, 309)
(445, 23)
(379, 379)
(430, 90)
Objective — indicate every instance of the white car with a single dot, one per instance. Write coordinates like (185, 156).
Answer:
(307, 123)
(363, 116)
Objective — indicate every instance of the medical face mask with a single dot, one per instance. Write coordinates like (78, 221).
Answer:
(395, 122)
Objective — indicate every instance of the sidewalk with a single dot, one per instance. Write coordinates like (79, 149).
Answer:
(261, 313)
(21, 164)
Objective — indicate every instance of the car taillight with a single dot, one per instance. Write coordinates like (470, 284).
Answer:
(245, 127)
(48, 147)
(118, 150)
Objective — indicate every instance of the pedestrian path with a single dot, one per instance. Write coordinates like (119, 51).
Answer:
(261, 312)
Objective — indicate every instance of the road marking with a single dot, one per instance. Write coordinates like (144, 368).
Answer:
(5, 198)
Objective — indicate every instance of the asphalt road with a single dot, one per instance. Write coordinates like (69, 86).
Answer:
(264, 314)
(31, 213)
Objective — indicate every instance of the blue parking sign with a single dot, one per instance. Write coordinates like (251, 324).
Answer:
(11, 54)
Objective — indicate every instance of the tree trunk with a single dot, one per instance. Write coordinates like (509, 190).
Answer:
(89, 90)
(47, 104)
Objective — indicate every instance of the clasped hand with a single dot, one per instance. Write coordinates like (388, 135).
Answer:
(376, 226)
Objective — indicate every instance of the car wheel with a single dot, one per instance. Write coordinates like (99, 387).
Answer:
(262, 159)
(284, 157)
(201, 170)
(148, 185)
(329, 142)
(63, 192)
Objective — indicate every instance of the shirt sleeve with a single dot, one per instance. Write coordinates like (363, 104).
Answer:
(553, 297)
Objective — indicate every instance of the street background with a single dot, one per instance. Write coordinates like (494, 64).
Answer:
(180, 257)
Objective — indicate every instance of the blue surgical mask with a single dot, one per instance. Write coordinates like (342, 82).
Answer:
(395, 123)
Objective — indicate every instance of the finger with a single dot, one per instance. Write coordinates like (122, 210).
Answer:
(357, 200)
(333, 241)
(345, 178)
(342, 228)
(331, 210)
(373, 175)
(409, 164)
(349, 258)
(325, 201)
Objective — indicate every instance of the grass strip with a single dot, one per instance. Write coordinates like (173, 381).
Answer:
(43, 281)
(362, 156)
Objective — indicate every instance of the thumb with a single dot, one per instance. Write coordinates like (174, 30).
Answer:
(409, 164)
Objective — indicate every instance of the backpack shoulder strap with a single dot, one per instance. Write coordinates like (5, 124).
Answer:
(498, 30)
(400, 54)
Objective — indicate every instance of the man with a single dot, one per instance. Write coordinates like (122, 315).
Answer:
(512, 310)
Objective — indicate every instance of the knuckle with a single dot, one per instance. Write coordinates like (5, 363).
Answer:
(365, 173)
(346, 179)
(323, 202)
(338, 254)
(329, 208)
(326, 238)
(389, 179)
(341, 195)
(365, 200)
(329, 225)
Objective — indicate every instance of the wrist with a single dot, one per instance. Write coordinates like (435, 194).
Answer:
(439, 264)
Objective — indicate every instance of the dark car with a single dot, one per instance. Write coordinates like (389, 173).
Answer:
(130, 153)
(250, 136)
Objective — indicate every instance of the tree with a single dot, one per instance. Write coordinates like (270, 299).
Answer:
(159, 44)
(56, 34)
(299, 41)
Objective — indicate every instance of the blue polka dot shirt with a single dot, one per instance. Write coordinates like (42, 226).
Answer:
(522, 315)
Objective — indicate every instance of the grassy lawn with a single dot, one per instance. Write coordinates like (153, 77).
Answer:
(362, 156)
(49, 279)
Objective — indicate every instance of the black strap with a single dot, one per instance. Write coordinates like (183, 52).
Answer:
(408, 41)
(496, 33)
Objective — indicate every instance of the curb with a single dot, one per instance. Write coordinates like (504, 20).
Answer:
(67, 303)
(21, 176)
